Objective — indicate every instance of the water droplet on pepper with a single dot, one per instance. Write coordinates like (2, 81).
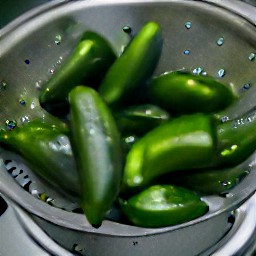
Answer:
(3, 84)
(10, 124)
(22, 102)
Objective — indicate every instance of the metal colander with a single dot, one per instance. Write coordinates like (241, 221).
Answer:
(211, 37)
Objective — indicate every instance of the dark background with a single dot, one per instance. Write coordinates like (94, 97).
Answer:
(10, 9)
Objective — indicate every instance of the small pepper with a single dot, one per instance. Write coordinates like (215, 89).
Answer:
(236, 140)
(47, 152)
(134, 66)
(88, 62)
(213, 181)
(189, 142)
(183, 93)
(140, 119)
(181, 143)
(163, 205)
(96, 144)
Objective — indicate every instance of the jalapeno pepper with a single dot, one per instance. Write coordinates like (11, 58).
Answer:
(181, 143)
(182, 93)
(88, 62)
(134, 66)
(213, 181)
(97, 149)
(140, 119)
(47, 152)
(163, 205)
(190, 142)
(236, 140)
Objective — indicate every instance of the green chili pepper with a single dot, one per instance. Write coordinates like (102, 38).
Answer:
(183, 93)
(88, 62)
(181, 143)
(47, 152)
(97, 148)
(215, 181)
(189, 142)
(236, 140)
(140, 119)
(134, 66)
(163, 205)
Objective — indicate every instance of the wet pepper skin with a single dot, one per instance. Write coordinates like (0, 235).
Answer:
(181, 143)
(47, 151)
(189, 142)
(183, 93)
(213, 181)
(236, 140)
(139, 119)
(88, 62)
(163, 205)
(97, 149)
(134, 66)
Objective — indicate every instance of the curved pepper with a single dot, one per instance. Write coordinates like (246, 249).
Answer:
(163, 205)
(181, 143)
(180, 93)
(88, 62)
(236, 140)
(140, 119)
(97, 148)
(47, 152)
(189, 142)
(134, 66)
(215, 181)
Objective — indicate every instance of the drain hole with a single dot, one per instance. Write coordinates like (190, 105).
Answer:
(7, 162)
(10, 170)
(78, 250)
(21, 174)
(226, 194)
(231, 218)
(26, 186)
(77, 210)
(3, 206)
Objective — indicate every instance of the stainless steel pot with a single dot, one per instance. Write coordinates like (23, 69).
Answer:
(218, 37)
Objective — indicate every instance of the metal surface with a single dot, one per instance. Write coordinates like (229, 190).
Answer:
(28, 235)
(20, 235)
(240, 241)
(33, 48)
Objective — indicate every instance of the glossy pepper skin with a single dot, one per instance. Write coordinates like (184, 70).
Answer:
(134, 66)
(96, 144)
(47, 152)
(213, 181)
(163, 205)
(236, 140)
(89, 61)
(183, 93)
(140, 119)
(181, 143)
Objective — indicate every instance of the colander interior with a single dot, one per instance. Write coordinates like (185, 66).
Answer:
(198, 36)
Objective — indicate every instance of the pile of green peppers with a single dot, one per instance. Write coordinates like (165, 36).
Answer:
(153, 155)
